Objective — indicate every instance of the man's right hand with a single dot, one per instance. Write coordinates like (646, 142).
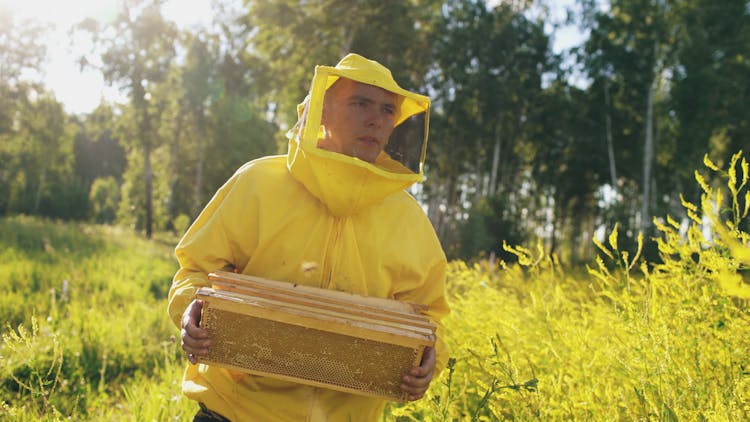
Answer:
(195, 340)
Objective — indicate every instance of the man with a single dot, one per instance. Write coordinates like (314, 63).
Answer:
(332, 213)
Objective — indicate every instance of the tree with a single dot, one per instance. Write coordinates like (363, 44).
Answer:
(198, 76)
(628, 55)
(292, 36)
(710, 87)
(98, 151)
(21, 51)
(135, 51)
(489, 101)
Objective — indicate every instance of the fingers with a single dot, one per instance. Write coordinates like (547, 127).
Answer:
(194, 311)
(415, 387)
(428, 363)
(194, 340)
(416, 382)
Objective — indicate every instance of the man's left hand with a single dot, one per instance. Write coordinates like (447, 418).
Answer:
(417, 380)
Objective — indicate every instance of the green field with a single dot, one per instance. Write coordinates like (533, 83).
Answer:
(101, 348)
(85, 334)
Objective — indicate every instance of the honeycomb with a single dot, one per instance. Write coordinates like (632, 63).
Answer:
(308, 355)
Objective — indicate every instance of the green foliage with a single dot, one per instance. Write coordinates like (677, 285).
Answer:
(98, 152)
(181, 223)
(489, 118)
(292, 36)
(490, 223)
(87, 337)
(37, 173)
(630, 340)
(84, 328)
(104, 199)
(544, 130)
(713, 49)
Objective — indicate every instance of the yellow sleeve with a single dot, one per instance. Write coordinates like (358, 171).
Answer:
(210, 244)
(432, 293)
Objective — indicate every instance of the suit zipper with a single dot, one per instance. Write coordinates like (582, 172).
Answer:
(313, 403)
(331, 252)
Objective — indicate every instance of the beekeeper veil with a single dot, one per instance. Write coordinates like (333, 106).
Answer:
(404, 153)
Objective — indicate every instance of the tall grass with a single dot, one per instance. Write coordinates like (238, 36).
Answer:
(627, 340)
(85, 333)
(86, 336)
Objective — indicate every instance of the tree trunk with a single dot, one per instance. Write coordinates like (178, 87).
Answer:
(479, 190)
(608, 127)
(495, 164)
(448, 216)
(148, 176)
(648, 154)
(200, 161)
(39, 190)
(434, 213)
(144, 128)
(173, 156)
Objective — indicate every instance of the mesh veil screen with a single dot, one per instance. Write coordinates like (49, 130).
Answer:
(406, 142)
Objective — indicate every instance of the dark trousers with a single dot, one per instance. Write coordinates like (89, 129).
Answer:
(207, 415)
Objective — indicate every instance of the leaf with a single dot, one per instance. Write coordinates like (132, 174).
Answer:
(637, 252)
(693, 216)
(702, 182)
(644, 269)
(602, 268)
(613, 238)
(660, 226)
(710, 164)
(688, 205)
(602, 248)
(732, 181)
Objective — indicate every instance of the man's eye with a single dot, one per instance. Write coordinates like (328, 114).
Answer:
(390, 111)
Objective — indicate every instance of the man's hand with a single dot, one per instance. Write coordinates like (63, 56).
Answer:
(418, 379)
(195, 341)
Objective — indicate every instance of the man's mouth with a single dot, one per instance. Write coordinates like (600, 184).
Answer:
(369, 140)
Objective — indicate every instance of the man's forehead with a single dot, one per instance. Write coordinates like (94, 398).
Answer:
(350, 88)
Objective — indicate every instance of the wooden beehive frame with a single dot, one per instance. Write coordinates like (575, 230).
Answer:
(379, 309)
(384, 321)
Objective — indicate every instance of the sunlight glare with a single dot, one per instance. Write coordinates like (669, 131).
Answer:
(61, 13)
(82, 90)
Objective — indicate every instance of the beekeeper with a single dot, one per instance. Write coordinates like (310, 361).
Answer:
(332, 213)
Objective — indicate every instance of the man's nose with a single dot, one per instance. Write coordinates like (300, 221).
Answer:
(377, 118)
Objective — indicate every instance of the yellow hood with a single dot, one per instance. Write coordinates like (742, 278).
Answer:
(345, 184)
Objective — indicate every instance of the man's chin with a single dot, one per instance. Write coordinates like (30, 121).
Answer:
(368, 156)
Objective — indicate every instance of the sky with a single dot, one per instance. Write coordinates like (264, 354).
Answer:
(81, 91)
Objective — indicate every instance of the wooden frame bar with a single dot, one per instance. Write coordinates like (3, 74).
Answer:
(313, 336)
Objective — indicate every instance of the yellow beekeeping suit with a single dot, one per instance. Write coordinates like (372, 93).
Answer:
(318, 218)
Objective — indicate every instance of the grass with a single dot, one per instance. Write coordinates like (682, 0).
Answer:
(85, 335)
(85, 331)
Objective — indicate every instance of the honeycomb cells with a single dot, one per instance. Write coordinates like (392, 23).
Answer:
(307, 354)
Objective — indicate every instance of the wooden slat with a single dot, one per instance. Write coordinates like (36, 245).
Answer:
(329, 306)
(375, 302)
(315, 308)
(380, 305)
(258, 307)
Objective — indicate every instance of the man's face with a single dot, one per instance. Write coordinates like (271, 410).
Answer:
(358, 119)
